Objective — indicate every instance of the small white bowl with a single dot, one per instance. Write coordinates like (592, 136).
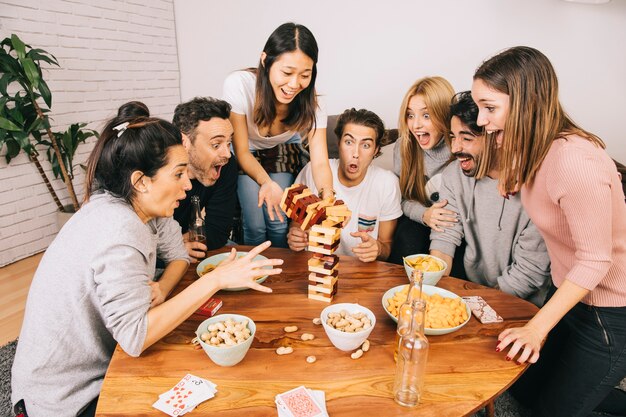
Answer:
(430, 278)
(216, 259)
(430, 290)
(227, 355)
(343, 340)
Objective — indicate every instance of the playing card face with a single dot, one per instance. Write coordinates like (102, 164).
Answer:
(299, 403)
(185, 396)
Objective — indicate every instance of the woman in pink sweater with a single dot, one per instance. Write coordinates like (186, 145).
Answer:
(572, 192)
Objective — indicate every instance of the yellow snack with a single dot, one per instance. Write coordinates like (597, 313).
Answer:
(441, 312)
(425, 264)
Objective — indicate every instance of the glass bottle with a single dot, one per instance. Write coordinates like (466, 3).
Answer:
(412, 356)
(196, 222)
(404, 312)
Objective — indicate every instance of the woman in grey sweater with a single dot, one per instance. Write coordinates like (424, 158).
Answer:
(93, 288)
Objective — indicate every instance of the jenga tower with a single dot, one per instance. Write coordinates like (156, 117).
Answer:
(325, 219)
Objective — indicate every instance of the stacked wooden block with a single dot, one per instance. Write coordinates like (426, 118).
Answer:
(323, 219)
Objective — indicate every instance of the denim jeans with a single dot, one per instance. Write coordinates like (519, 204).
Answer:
(582, 361)
(257, 226)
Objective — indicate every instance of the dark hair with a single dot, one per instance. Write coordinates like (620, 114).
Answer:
(288, 37)
(361, 117)
(188, 115)
(464, 108)
(141, 146)
(133, 109)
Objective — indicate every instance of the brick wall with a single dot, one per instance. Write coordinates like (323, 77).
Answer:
(109, 52)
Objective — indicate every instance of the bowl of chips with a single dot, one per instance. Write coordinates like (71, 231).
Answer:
(226, 338)
(347, 325)
(446, 312)
(212, 262)
(431, 266)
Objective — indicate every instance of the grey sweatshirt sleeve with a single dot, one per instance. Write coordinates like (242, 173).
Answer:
(397, 161)
(528, 275)
(124, 295)
(451, 237)
(170, 245)
(414, 210)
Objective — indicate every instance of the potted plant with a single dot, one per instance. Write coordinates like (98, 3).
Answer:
(24, 122)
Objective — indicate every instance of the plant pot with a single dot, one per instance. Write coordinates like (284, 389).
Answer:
(64, 216)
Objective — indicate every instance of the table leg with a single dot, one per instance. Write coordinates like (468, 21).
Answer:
(490, 409)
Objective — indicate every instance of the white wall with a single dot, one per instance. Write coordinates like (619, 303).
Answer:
(372, 51)
(109, 52)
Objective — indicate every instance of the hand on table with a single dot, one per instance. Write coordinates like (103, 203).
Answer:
(157, 296)
(297, 239)
(236, 272)
(436, 217)
(525, 341)
(195, 250)
(271, 193)
(368, 250)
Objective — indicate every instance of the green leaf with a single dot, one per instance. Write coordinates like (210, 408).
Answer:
(8, 125)
(19, 46)
(45, 92)
(3, 102)
(31, 72)
(12, 149)
(41, 55)
(5, 80)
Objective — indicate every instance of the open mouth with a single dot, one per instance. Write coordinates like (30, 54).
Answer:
(423, 138)
(466, 162)
(216, 170)
(288, 93)
(353, 168)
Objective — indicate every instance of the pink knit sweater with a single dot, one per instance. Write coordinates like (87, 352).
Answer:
(577, 203)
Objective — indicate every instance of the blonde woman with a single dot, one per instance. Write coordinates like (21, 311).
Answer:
(420, 154)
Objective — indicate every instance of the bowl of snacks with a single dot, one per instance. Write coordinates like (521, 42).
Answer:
(212, 262)
(431, 266)
(226, 338)
(446, 312)
(347, 325)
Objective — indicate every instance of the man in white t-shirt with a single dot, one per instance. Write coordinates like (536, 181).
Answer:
(370, 192)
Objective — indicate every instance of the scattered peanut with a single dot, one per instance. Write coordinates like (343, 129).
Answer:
(349, 323)
(284, 350)
(311, 359)
(357, 354)
(307, 336)
(291, 329)
(226, 333)
(365, 346)
(317, 321)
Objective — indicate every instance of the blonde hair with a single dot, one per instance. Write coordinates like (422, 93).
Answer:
(536, 117)
(437, 93)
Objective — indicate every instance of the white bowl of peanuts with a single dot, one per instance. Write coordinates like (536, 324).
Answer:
(446, 312)
(347, 325)
(226, 338)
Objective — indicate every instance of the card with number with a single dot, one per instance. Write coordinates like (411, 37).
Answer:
(185, 396)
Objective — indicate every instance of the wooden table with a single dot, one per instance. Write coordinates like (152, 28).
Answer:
(464, 372)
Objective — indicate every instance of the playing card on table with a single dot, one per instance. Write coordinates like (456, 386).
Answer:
(301, 402)
(185, 396)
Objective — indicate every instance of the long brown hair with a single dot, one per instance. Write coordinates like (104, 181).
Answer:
(536, 117)
(437, 94)
(288, 37)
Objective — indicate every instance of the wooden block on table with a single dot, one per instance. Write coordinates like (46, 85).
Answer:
(315, 265)
(315, 296)
(321, 230)
(327, 281)
(323, 249)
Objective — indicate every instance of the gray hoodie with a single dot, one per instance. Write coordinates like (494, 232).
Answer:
(504, 248)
